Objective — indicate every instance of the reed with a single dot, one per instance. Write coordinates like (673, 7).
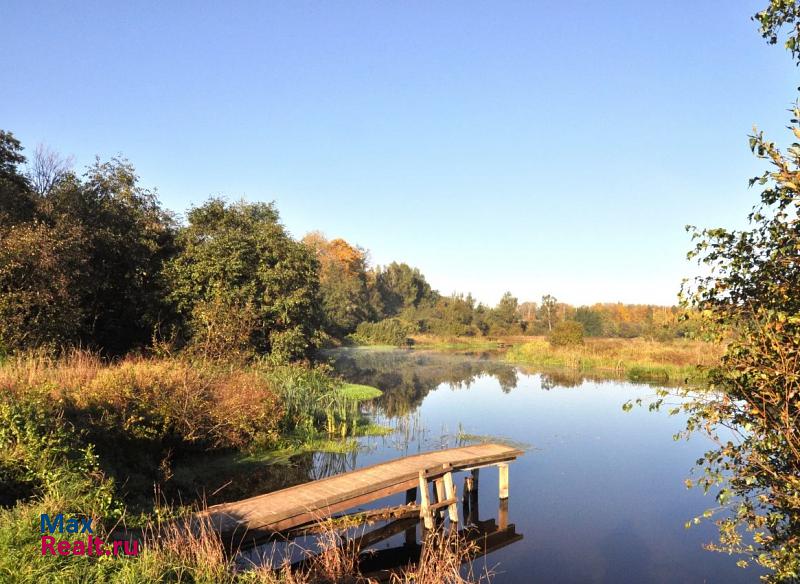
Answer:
(637, 359)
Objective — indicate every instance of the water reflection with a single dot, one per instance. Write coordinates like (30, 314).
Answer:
(600, 498)
(407, 376)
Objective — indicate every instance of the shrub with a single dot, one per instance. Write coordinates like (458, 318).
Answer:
(565, 334)
(391, 331)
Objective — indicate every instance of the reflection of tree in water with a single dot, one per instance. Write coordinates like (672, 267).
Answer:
(331, 463)
(561, 379)
(552, 378)
(407, 376)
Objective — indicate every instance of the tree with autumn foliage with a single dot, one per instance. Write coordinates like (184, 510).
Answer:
(752, 299)
(342, 283)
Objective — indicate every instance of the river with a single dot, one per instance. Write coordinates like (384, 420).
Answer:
(599, 495)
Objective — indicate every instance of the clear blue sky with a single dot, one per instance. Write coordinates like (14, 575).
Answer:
(538, 147)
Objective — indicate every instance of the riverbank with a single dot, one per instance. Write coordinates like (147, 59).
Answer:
(675, 361)
(437, 343)
(94, 439)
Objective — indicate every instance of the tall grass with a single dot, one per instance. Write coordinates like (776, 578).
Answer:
(679, 360)
(55, 412)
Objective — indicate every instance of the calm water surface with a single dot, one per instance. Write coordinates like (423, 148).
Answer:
(599, 494)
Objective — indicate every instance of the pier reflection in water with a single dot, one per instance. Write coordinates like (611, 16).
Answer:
(390, 547)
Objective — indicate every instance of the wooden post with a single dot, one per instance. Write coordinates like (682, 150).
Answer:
(411, 532)
(474, 510)
(450, 493)
(468, 482)
(503, 471)
(466, 499)
(502, 514)
(424, 501)
(440, 496)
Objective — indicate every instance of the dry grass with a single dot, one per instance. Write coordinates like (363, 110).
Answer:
(446, 559)
(34, 369)
(198, 556)
(676, 360)
(200, 401)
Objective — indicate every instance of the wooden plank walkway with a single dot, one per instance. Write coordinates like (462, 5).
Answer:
(311, 502)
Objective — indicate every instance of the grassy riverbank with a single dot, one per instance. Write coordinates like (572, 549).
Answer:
(90, 438)
(674, 361)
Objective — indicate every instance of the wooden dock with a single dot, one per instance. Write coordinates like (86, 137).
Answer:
(304, 505)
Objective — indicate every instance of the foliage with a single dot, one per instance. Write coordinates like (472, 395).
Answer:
(239, 278)
(39, 285)
(772, 20)
(343, 283)
(391, 331)
(591, 320)
(548, 309)
(16, 201)
(42, 455)
(504, 319)
(80, 263)
(566, 334)
(399, 287)
(751, 296)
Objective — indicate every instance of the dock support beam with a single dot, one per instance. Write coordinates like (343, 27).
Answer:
(438, 485)
(411, 532)
(450, 493)
(503, 472)
(470, 497)
(502, 514)
(424, 501)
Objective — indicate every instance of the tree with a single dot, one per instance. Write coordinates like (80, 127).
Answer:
(399, 286)
(504, 318)
(47, 169)
(548, 308)
(127, 238)
(343, 283)
(81, 262)
(752, 298)
(775, 17)
(238, 265)
(16, 200)
(39, 292)
(591, 320)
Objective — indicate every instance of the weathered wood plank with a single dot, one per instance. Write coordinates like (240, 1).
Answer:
(309, 502)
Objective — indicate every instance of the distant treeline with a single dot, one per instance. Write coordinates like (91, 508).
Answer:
(94, 260)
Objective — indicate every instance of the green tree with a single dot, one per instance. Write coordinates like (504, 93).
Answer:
(504, 319)
(239, 273)
(17, 202)
(774, 18)
(129, 237)
(39, 286)
(752, 299)
(591, 320)
(81, 262)
(399, 287)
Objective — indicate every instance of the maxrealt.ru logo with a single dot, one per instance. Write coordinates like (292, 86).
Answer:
(91, 546)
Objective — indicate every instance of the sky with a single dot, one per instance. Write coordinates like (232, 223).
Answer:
(537, 147)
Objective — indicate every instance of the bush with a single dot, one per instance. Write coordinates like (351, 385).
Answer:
(391, 331)
(565, 334)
